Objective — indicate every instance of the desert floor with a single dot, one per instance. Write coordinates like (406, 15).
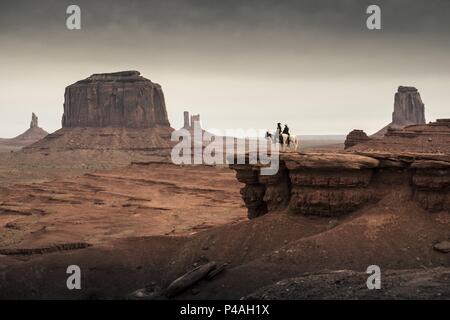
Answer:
(131, 220)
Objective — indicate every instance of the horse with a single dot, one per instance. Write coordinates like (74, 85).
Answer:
(287, 142)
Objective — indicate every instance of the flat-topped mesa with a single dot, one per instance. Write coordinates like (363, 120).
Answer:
(408, 107)
(120, 99)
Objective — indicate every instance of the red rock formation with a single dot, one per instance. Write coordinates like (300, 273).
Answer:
(354, 137)
(34, 121)
(431, 181)
(32, 135)
(408, 110)
(253, 192)
(426, 138)
(408, 107)
(112, 111)
(334, 184)
(122, 99)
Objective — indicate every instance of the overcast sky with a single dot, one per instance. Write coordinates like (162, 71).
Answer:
(240, 64)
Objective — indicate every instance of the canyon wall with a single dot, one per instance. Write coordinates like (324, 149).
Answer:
(333, 184)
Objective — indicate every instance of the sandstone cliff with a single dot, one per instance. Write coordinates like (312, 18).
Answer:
(332, 184)
(415, 159)
(122, 99)
(408, 107)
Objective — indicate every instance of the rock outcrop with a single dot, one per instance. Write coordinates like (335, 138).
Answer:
(112, 111)
(34, 121)
(355, 137)
(333, 184)
(32, 135)
(121, 99)
(191, 121)
(408, 107)
(430, 138)
(408, 110)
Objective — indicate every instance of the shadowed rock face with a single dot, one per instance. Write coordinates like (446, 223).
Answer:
(408, 110)
(332, 184)
(408, 107)
(122, 99)
(354, 137)
(34, 121)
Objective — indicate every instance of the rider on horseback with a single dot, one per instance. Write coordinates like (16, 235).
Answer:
(279, 132)
(283, 137)
(286, 131)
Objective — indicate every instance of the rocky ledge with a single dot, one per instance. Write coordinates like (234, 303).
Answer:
(333, 184)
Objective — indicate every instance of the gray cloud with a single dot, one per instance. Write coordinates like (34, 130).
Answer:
(312, 58)
(398, 16)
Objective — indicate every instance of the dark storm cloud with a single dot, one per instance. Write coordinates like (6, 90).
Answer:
(316, 58)
(402, 16)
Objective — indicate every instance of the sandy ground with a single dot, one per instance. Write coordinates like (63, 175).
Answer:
(139, 200)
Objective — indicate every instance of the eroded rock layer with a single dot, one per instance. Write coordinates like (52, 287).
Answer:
(430, 138)
(334, 184)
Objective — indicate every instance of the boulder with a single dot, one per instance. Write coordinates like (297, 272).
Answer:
(443, 247)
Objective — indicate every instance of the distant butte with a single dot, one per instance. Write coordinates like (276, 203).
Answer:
(431, 138)
(355, 137)
(112, 111)
(408, 109)
(32, 135)
(121, 99)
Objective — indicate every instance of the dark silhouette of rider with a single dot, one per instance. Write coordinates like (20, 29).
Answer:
(279, 137)
(279, 128)
(286, 131)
